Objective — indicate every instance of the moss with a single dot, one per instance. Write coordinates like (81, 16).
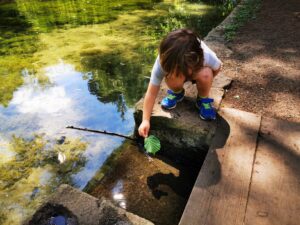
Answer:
(8, 85)
(129, 41)
(59, 13)
(90, 52)
(245, 12)
(18, 42)
(2, 218)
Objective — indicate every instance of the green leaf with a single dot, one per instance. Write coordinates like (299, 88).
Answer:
(152, 144)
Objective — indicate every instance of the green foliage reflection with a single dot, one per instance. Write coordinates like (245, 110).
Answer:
(114, 76)
(17, 44)
(34, 171)
(46, 15)
(25, 43)
(34, 153)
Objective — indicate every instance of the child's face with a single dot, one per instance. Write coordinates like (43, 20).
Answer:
(178, 74)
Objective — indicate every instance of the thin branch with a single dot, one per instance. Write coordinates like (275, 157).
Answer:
(101, 132)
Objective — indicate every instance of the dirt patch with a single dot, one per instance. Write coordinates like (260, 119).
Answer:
(265, 64)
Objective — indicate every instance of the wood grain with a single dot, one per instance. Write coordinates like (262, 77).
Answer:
(274, 197)
(220, 194)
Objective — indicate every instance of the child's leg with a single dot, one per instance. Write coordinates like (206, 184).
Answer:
(176, 92)
(204, 79)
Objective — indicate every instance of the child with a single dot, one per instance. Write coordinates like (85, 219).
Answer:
(182, 57)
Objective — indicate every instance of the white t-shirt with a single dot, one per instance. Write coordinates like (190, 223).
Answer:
(210, 60)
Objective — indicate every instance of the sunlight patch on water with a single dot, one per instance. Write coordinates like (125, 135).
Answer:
(5, 154)
(117, 194)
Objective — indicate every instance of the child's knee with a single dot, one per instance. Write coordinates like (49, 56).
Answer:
(205, 74)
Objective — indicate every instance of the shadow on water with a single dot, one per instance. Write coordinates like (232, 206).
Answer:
(180, 184)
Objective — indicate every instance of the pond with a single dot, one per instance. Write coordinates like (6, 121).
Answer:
(75, 62)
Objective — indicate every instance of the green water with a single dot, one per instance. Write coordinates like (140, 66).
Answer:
(74, 62)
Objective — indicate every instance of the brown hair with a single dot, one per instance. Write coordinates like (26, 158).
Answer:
(180, 51)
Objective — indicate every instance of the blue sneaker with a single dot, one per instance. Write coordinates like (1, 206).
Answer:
(206, 111)
(170, 101)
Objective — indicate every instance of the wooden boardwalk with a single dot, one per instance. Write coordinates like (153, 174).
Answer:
(251, 174)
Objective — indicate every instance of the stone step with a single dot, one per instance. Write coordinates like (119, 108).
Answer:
(82, 209)
(181, 128)
(219, 196)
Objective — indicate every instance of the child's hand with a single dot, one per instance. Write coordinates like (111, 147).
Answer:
(144, 128)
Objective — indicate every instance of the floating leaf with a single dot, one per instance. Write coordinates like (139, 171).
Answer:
(152, 144)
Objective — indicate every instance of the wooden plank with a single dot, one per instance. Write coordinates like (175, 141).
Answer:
(220, 193)
(274, 197)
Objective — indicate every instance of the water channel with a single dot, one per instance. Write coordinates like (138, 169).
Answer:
(82, 63)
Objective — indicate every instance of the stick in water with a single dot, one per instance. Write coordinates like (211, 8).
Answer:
(101, 132)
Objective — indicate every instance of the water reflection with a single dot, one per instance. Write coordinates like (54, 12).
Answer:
(56, 13)
(119, 48)
(117, 194)
(39, 152)
(112, 75)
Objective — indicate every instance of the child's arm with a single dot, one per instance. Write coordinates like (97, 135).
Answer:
(211, 60)
(157, 75)
(215, 72)
(150, 97)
